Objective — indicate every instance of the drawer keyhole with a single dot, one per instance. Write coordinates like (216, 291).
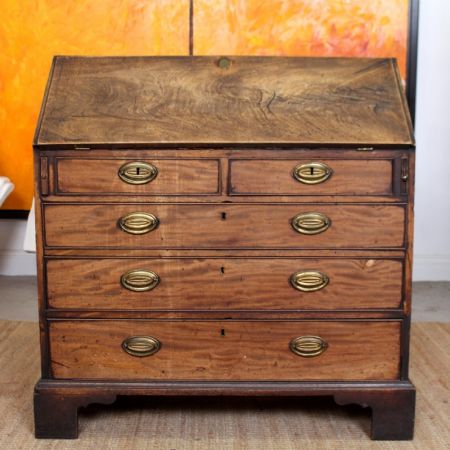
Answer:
(222, 269)
(224, 216)
(222, 332)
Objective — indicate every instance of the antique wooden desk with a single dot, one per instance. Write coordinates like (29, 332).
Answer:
(224, 226)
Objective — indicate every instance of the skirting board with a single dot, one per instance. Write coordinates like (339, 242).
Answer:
(431, 268)
(426, 268)
(17, 262)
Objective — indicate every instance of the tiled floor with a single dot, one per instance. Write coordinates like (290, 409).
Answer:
(431, 300)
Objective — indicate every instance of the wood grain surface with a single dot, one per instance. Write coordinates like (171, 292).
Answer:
(275, 177)
(226, 350)
(224, 284)
(225, 134)
(225, 226)
(212, 101)
(187, 175)
(175, 177)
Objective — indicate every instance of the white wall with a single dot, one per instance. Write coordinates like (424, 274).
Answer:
(13, 259)
(432, 208)
(432, 221)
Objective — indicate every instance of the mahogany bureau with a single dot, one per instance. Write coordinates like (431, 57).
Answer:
(224, 226)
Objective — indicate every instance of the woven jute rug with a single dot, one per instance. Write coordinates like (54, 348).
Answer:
(218, 423)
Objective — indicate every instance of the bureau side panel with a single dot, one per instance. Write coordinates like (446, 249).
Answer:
(408, 169)
(41, 183)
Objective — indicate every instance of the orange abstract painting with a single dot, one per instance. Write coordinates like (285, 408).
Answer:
(32, 31)
(373, 28)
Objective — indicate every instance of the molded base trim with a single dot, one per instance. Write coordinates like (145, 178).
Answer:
(56, 402)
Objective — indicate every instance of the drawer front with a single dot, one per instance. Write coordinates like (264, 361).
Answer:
(224, 226)
(227, 350)
(223, 284)
(137, 177)
(311, 177)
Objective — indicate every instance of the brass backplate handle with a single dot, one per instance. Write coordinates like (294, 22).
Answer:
(312, 172)
(309, 280)
(311, 223)
(308, 346)
(139, 280)
(141, 345)
(137, 172)
(138, 223)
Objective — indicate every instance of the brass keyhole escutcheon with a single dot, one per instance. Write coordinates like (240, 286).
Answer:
(137, 172)
(312, 172)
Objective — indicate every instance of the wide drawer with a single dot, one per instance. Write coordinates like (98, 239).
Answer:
(312, 177)
(225, 350)
(137, 177)
(224, 226)
(224, 283)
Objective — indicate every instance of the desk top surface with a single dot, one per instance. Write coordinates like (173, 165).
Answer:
(223, 101)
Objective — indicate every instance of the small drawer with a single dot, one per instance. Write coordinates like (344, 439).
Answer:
(224, 284)
(273, 226)
(137, 176)
(225, 350)
(312, 177)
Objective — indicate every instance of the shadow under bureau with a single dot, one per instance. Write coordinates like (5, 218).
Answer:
(224, 226)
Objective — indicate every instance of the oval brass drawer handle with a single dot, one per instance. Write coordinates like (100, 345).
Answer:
(139, 280)
(141, 345)
(308, 346)
(137, 172)
(310, 223)
(309, 280)
(138, 223)
(312, 173)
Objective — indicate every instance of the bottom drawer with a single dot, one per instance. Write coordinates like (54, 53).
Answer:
(225, 350)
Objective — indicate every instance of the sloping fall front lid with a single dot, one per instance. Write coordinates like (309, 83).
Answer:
(220, 101)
